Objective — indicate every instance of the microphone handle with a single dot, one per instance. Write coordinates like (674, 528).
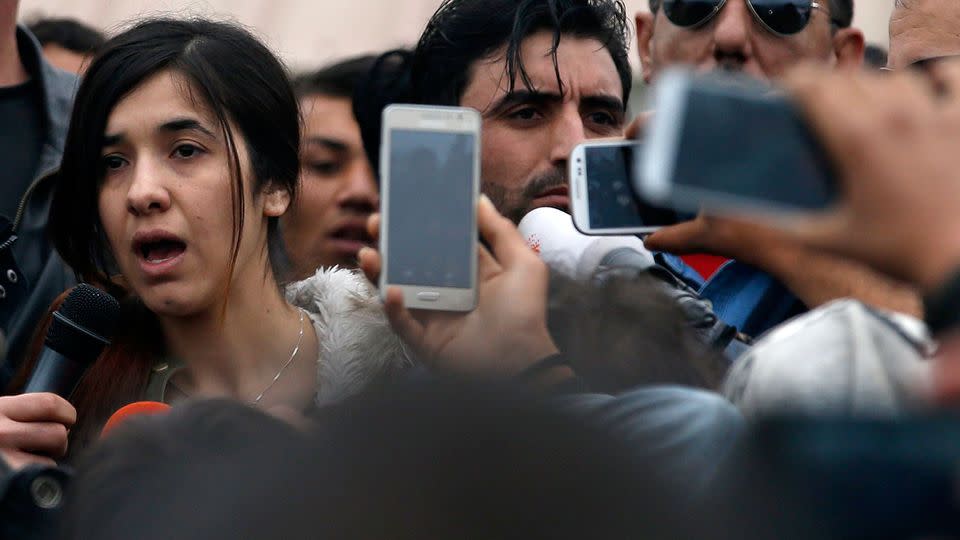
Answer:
(626, 257)
(55, 373)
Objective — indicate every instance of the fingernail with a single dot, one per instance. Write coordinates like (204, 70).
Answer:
(485, 200)
(364, 249)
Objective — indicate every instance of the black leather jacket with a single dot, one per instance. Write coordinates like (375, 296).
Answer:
(31, 273)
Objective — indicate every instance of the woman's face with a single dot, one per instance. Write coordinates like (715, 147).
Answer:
(165, 202)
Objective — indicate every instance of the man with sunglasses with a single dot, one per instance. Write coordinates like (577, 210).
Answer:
(758, 37)
(923, 31)
(771, 277)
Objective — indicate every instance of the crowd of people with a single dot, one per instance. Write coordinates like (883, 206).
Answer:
(231, 207)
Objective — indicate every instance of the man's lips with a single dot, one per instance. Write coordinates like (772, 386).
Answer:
(350, 238)
(558, 197)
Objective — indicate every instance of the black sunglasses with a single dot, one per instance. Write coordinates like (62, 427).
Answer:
(782, 17)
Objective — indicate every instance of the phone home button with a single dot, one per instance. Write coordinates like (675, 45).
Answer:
(428, 296)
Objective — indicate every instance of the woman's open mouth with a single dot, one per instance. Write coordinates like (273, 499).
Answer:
(158, 251)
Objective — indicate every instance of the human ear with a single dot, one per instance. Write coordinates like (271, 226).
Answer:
(276, 200)
(645, 20)
(848, 46)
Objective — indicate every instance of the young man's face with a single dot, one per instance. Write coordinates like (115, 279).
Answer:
(735, 40)
(528, 134)
(327, 224)
(923, 29)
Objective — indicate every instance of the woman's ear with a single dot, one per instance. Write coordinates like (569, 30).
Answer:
(276, 200)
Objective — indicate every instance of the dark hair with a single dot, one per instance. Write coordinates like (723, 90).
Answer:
(841, 11)
(193, 443)
(339, 80)
(625, 332)
(461, 32)
(464, 31)
(418, 461)
(243, 83)
(70, 34)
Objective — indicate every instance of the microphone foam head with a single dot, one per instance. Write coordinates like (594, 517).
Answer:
(550, 232)
(84, 323)
(139, 408)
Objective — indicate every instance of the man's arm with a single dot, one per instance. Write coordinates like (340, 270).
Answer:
(814, 277)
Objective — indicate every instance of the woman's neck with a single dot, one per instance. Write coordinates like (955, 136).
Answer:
(237, 349)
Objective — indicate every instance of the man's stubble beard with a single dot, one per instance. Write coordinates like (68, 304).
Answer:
(514, 204)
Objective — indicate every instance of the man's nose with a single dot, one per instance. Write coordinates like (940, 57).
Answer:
(568, 131)
(731, 30)
(359, 189)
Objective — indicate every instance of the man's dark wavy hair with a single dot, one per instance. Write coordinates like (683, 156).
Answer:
(464, 31)
(841, 11)
(461, 32)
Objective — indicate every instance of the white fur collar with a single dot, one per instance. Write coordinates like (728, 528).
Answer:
(357, 345)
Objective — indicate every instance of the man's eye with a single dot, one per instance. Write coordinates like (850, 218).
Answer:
(526, 113)
(603, 119)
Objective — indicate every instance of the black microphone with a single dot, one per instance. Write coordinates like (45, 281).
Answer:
(79, 331)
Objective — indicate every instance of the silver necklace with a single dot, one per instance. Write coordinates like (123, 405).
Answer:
(284, 367)
(276, 377)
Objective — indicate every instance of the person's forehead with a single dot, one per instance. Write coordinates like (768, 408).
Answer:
(329, 116)
(168, 94)
(921, 29)
(586, 68)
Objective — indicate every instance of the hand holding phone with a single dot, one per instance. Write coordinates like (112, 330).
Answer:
(895, 143)
(731, 144)
(505, 334)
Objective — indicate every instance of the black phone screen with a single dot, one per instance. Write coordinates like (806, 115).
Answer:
(752, 145)
(430, 224)
(611, 199)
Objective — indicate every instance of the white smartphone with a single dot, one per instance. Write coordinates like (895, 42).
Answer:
(729, 143)
(430, 182)
(603, 200)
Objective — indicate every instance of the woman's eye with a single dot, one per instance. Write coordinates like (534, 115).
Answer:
(186, 151)
(113, 163)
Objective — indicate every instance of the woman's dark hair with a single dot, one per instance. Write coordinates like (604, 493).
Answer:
(230, 73)
(461, 32)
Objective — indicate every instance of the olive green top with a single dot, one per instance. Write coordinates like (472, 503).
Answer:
(159, 380)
